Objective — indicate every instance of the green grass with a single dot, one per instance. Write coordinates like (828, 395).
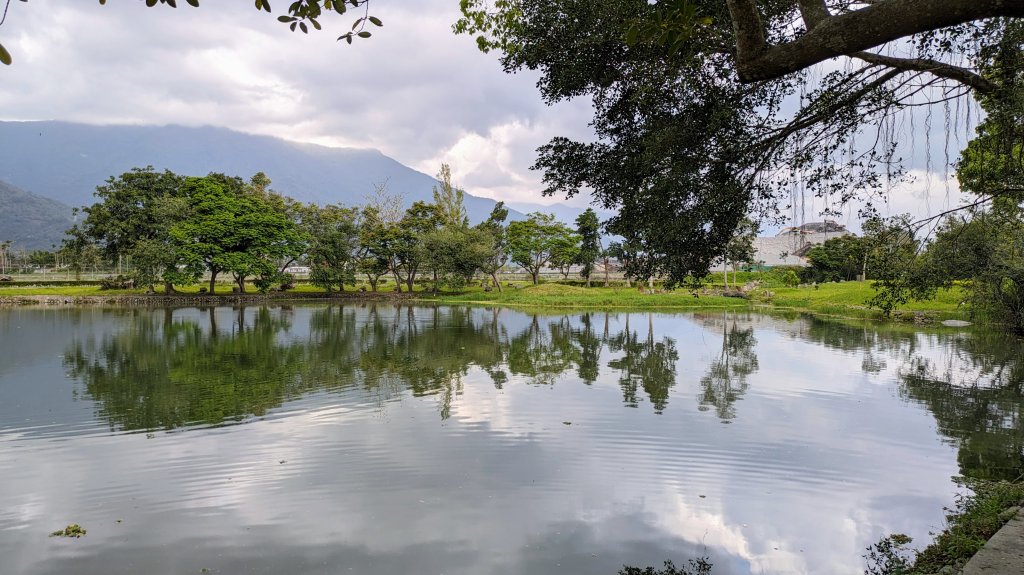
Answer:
(563, 296)
(68, 291)
(847, 299)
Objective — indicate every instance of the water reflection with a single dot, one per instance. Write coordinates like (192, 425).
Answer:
(389, 439)
(972, 383)
(166, 370)
(726, 379)
(975, 392)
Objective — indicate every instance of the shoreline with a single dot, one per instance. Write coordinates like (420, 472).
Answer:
(549, 299)
(160, 300)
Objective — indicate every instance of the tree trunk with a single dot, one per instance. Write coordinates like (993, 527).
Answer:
(497, 284)
(168, 288)
(606, 281)
(213, 281)
(536, 276)
(241, 283)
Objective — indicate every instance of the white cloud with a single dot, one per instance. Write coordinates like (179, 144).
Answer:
(415, 91)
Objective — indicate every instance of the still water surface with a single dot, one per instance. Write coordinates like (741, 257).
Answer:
(406, 440)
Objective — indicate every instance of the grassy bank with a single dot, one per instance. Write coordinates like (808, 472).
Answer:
(845, 299)
(848, 299)
(976, 517)
(564, 296)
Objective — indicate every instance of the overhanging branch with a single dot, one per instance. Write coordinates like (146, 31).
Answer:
(849, 33)
(933, 67)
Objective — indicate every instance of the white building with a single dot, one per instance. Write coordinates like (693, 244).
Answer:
(790, 246)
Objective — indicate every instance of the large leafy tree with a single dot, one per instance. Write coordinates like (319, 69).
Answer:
(406, 241)
(375, 242)
(131, 220)
(533, 241)
(693, 99)
(231, 230)
(453, 250)
(334, 247)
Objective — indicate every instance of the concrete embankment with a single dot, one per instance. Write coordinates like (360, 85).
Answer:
(1003, 554)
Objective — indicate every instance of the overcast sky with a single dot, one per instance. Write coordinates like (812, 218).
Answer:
(414, 91)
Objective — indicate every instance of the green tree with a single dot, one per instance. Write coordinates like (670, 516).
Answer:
(589, 230)
(229, 230)
(455, 254)
(448, 199)
(131, 221)
(374, 258)
(986, 252)
(565, 252)
(626, 254)
(79, 251)
(531, 242)
(405, 241)
(334, 246)
(836, 259)
(497, 257)
(694, 120)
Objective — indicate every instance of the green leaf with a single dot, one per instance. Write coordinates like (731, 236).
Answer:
(193, 3)
(150, 3)
(285, 19)
(302, 26)
(376, 21)
(5, 56)
(364, 34)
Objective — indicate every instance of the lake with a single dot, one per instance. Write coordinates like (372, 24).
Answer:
(375, 439)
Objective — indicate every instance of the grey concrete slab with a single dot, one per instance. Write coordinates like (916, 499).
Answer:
(1004, 552)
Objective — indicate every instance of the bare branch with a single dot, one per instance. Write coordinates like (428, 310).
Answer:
(933, 67)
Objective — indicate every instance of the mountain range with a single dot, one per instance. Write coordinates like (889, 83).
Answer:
(31, 222)
(64, 162)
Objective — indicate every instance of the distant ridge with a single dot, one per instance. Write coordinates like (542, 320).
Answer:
(66, 161)
(29, 221)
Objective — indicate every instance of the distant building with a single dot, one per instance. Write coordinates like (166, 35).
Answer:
(790, 246)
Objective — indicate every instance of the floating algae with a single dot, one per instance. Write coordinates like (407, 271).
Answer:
(74, 530)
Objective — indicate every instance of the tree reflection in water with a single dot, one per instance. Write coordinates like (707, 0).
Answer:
(164, 372)
(169, 369)
(726, 379)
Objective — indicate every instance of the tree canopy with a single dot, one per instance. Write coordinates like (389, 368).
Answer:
(693, 98)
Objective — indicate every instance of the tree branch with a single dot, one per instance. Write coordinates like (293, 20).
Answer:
(849, 33)
(933, 67)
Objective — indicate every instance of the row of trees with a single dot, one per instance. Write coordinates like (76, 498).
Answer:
(884, 245)
(174, 229)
